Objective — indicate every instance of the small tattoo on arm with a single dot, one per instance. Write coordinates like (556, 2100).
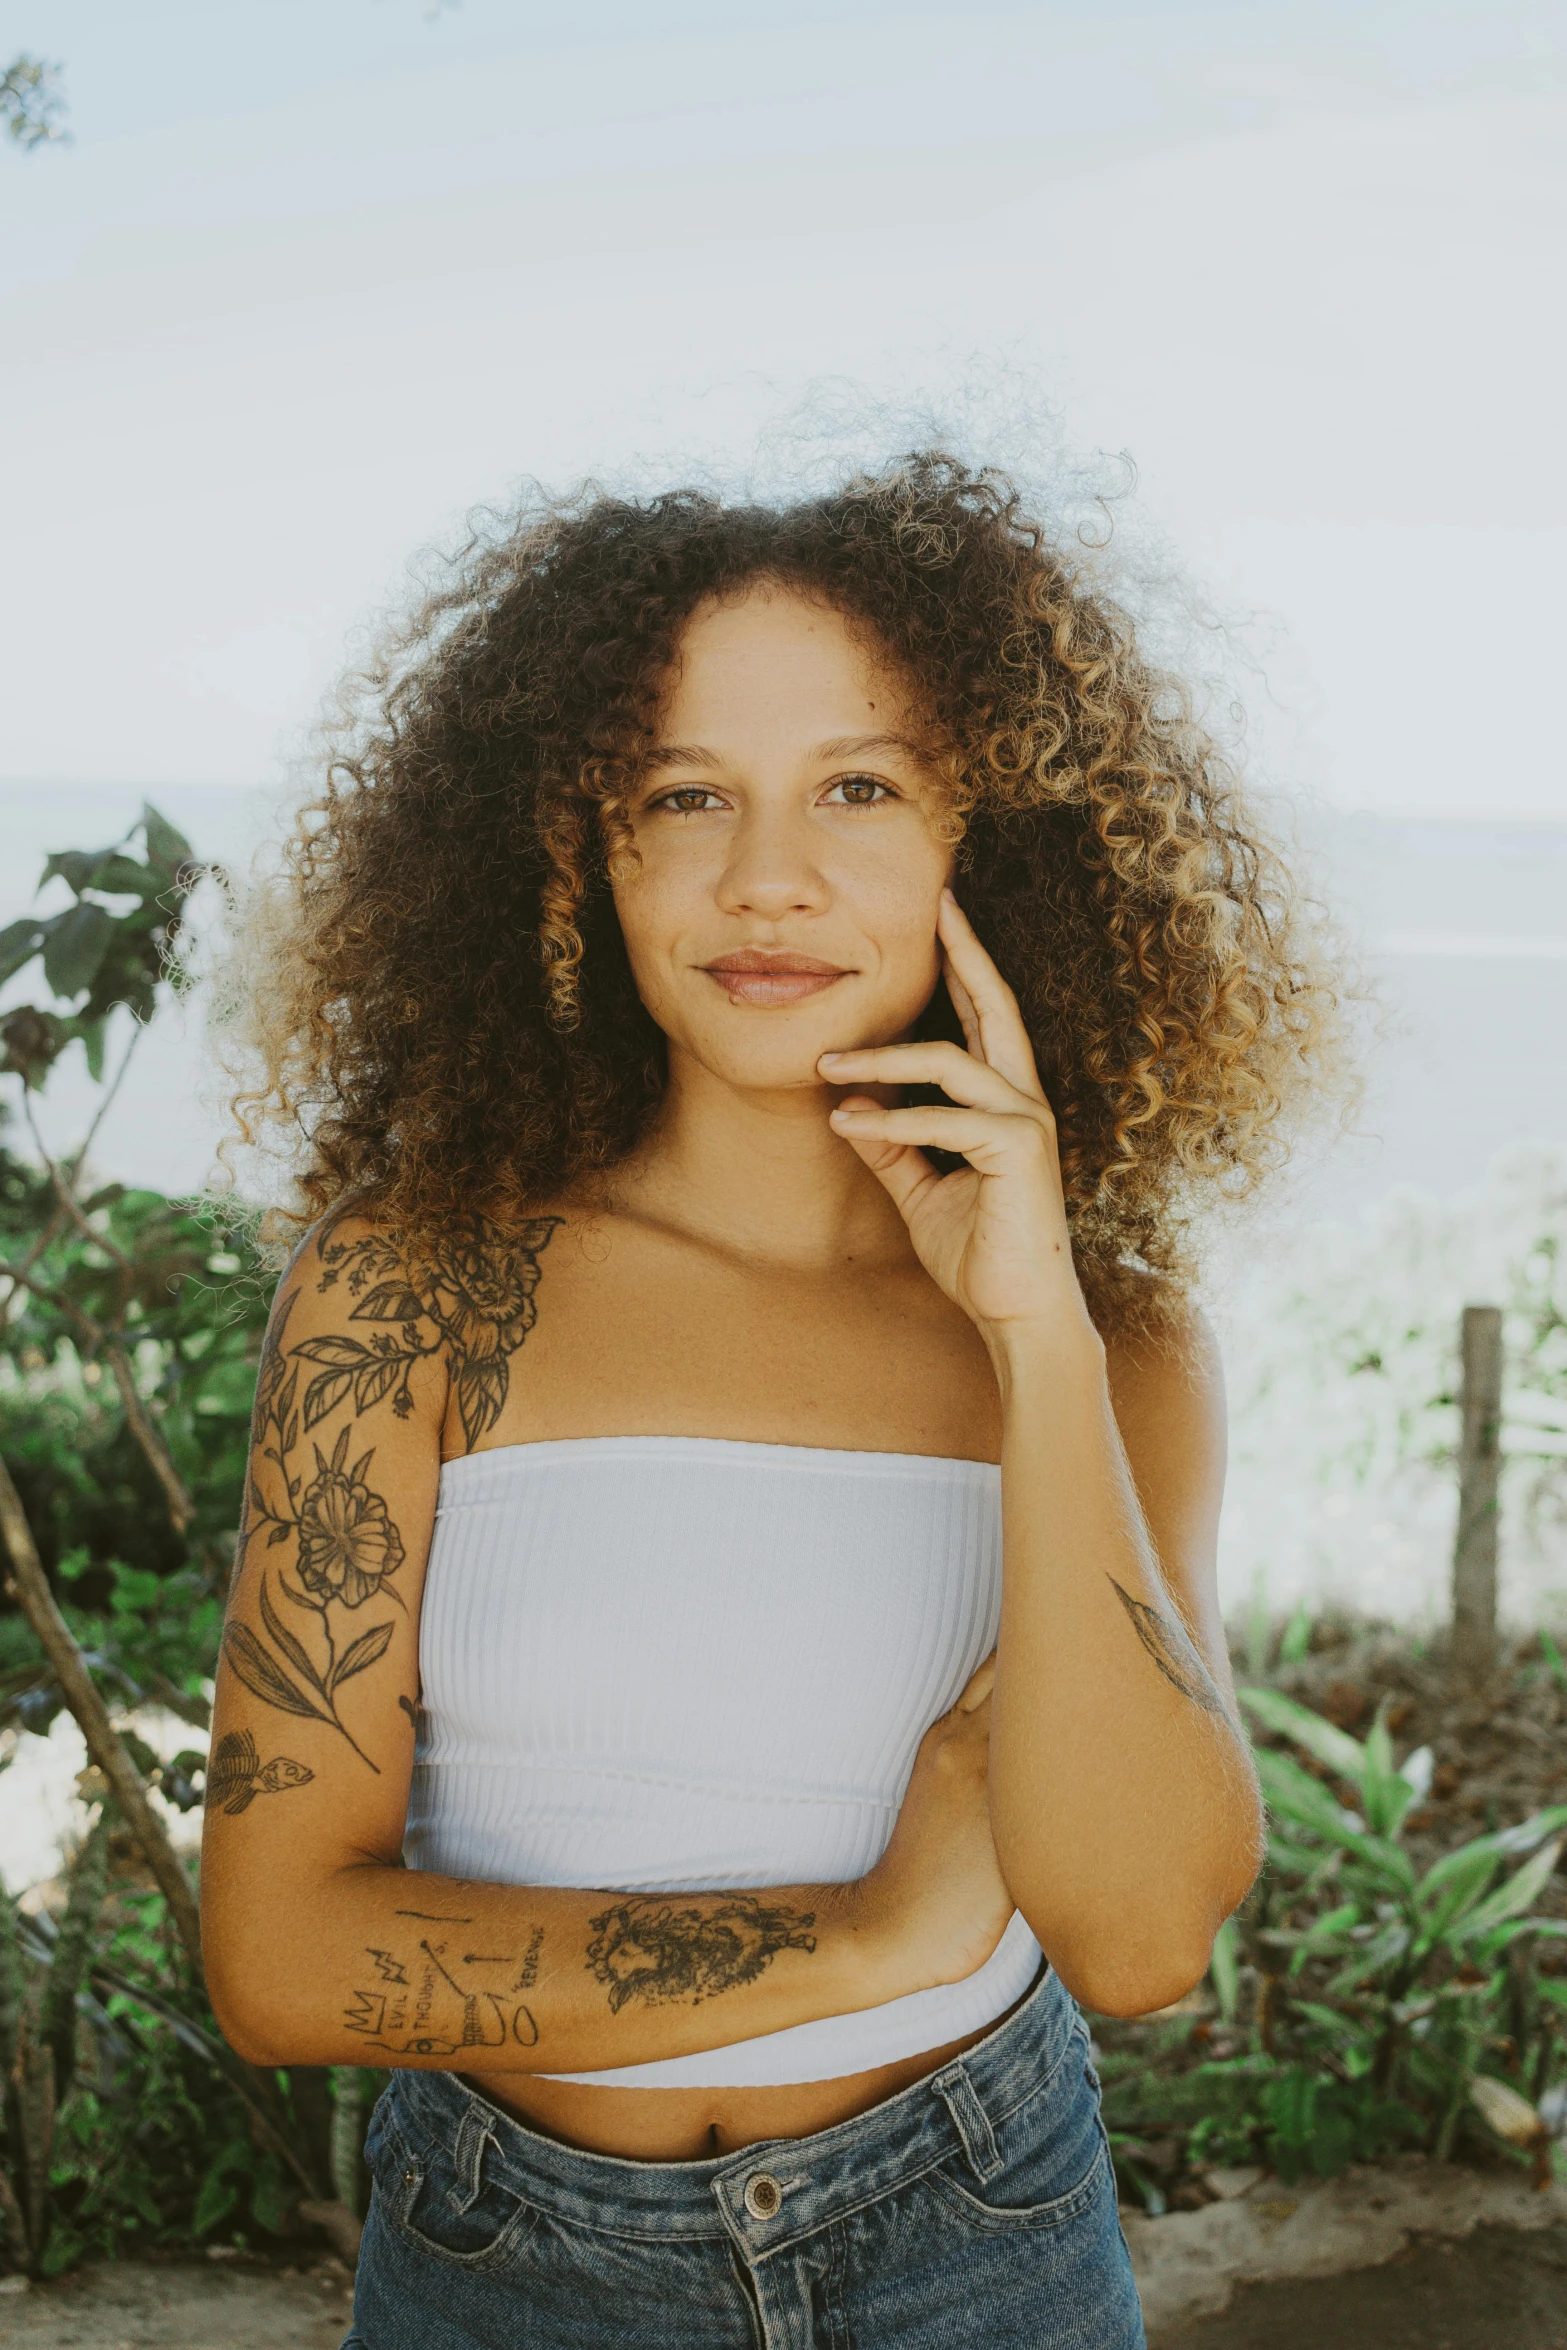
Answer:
(236, 1774)
(648, 1947)
(422, 2007)
(530, 1965)
(1172, 1651)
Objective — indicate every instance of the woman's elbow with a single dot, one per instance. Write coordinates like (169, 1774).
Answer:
(1120, 1987)
(249, 1998)
(1133, 1966)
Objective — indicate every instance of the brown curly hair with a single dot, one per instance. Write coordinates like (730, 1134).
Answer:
(435, 986)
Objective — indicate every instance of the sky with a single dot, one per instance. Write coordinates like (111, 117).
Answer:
(318, 276)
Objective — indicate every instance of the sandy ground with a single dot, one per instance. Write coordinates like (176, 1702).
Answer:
(1498, 2289)
(1419, 2256)
(186, 2305)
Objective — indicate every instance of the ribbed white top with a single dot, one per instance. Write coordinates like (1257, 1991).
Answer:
(674, 1664)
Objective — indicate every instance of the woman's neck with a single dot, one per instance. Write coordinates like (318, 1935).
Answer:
(761, 1173)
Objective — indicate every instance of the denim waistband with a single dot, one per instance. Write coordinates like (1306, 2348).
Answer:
(817, 2179)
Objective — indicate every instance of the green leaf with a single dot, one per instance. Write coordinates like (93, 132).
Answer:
(1459, 1878)
(1454, 1884)
(1296, 1642)
(119, 876)
(75, 947)
(1386, 1793)
(165, 846)
(1224, 1969)
(1518, 1894)
(92, 1034)
(1286, 1719)
(19, 942)
(77, 868)
(218, 2194)
(1292, 1791)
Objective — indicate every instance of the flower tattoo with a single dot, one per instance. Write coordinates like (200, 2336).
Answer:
(347, 1542)
(469, 1302)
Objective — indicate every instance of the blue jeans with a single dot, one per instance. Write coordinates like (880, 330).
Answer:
(977, 2207)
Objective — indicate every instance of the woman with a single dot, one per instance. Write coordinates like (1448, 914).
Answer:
(725, 1650)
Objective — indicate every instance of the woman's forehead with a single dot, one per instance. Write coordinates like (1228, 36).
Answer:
(778, 658)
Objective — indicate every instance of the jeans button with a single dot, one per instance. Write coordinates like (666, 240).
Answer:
(763, 2195)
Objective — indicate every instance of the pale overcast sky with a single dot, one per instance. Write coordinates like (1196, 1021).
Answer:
(318, 275)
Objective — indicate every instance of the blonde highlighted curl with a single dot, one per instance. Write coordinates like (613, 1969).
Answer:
(436, 994)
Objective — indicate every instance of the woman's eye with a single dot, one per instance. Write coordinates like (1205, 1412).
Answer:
(860, 791)
(690, 801)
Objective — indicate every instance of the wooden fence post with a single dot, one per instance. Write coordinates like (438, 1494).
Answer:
(1479, 1468)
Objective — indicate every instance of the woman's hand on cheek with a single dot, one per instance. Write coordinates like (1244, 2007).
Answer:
(993, 1234)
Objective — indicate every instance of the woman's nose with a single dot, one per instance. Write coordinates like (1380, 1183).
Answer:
(772, 870)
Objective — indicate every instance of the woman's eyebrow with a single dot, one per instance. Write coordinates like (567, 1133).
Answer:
(856, 746)
(845, 746)
(681, 755)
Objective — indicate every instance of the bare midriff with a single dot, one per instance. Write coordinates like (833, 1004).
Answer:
(693, 2125)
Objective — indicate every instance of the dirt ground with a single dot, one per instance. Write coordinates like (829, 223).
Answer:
(1496, 2290)
(184, 2305)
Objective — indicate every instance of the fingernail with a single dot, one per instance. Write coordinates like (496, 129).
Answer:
(827, 1057)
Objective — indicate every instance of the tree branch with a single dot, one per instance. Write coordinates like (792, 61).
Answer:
(181, 1502)
(30, 1586)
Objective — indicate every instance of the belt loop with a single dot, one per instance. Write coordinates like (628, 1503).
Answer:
(970, 2120)
(473, 2135)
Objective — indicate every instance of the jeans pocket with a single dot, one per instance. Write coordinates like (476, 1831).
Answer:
(1042, 2164)
(475, 2226)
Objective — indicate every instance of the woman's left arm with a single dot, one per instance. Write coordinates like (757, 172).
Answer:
(1123, 1803)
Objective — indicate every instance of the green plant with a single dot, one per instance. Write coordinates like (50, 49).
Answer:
(38, 2050)
(129, 1331)
(1389, 1987)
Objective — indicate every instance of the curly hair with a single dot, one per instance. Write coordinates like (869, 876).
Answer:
(436, 994)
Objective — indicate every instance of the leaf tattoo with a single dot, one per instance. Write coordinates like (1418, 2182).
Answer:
(236, 1775)
(1172, 1651)
(472, 1303)
(471, 1299)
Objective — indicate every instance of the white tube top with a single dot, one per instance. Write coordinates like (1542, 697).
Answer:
(674, 1664)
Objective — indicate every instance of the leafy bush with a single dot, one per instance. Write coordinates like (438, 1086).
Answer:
(1363, 2004)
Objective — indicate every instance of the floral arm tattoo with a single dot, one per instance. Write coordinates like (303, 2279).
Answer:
(469, 1301)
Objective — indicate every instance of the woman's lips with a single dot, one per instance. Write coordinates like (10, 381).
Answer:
(755, 978)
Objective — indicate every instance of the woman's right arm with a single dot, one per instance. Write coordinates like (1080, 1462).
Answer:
(321, 1948)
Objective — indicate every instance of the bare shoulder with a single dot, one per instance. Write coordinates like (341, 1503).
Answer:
(1166, 1360)
(418, 1323)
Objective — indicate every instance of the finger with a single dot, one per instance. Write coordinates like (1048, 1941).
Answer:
(962, 1004)
(969, 1081)
(979, 1687)
(904, 1174)
(1003, 1039)
(934, 1128)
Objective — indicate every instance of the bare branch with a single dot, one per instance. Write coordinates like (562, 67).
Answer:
(177, 1494)
(30, 1586)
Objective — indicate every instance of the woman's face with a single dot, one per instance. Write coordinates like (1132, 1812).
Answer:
(785, 902)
